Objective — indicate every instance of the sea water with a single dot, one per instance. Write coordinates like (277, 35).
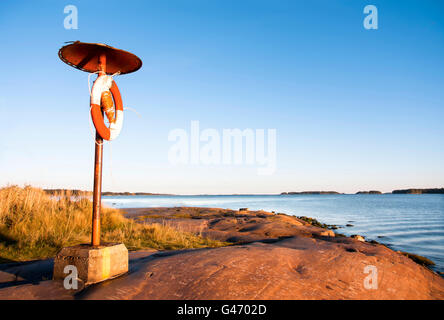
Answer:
(406, 222)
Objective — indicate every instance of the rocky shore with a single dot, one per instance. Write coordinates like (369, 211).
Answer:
(269, 256)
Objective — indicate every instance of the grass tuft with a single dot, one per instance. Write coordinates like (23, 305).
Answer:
(418, 259)
(316, 223)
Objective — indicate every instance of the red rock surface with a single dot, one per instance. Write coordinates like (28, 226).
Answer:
(286, 259)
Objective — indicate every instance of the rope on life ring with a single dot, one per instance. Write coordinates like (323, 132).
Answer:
(103, 88)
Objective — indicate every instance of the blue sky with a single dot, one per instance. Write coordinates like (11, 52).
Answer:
(354, 109)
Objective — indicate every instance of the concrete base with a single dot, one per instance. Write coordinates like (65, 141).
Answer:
(94, 264)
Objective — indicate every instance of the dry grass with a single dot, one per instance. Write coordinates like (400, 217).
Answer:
(36, 225)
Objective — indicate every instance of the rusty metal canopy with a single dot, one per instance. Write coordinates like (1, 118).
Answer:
(85, 56)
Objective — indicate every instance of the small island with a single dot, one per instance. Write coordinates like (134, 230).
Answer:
(369, 192)
(420, 191)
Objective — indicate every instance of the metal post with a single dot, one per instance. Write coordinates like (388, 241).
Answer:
(97, 192)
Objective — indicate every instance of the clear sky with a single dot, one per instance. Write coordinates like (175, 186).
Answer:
(353, 109)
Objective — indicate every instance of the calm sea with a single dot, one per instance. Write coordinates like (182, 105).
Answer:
(412, 223)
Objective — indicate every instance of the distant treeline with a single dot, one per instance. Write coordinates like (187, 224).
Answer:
(420, 191)
(76, 192)
(311, 192)
(108, 193)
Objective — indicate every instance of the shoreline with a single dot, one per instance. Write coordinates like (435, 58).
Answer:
(166, 215)
(412, 231)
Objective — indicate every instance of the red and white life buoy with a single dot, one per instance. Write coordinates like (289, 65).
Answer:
(104, 83)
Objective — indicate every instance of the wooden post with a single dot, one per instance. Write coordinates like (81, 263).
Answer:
(98, 158)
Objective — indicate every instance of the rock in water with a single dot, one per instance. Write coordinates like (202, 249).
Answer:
(358, 237)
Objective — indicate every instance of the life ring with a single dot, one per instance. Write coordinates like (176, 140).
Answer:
(104, 83)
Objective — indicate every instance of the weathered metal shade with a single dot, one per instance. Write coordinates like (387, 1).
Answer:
(85, 57)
